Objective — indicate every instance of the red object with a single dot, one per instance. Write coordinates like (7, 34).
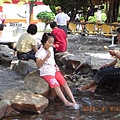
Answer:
(60, 42)
(55, 81)
(16, 1)
(0, 8)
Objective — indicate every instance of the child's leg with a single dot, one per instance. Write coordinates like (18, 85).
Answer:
(63, 83)
(62, 97)
(55, 85)
(69, 93)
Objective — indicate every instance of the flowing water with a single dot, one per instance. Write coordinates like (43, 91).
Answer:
(95, 106)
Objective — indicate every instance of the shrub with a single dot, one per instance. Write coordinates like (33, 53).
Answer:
(92, 19)
(46, 16)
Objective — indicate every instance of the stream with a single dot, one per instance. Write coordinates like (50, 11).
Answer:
(95, 106)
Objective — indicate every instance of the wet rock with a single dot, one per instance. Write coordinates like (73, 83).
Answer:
(26, 101)
(83, 68)
(72, 64)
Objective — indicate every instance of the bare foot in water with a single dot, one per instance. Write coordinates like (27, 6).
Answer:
(80, 89)
(74, 105)
(83, 88)
(86, 88)
(69, 104)
(92, 89)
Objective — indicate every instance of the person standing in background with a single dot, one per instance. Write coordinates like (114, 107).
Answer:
(61, 19)
(60, 42)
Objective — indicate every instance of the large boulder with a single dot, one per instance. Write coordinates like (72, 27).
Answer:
(6, 109)
(3, 108)
(26, 101)
(36, 84)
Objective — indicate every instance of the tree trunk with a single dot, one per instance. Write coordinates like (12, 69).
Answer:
(110, 12)
(45, 27)
(31, 10)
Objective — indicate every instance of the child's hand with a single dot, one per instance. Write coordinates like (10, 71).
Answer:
(48, 55)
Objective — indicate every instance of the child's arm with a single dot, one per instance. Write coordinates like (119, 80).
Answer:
(40, 62)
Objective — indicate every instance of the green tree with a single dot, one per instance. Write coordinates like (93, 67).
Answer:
(46, 17)
(71, 7)
(75, 6)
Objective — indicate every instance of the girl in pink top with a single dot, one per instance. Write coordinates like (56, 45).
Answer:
(50, 71)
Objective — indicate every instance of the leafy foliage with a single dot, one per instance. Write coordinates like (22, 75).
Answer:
(81, 18)
(71, 7)
(46, 16)
(104, 17)
(118, 19)
(92, 19)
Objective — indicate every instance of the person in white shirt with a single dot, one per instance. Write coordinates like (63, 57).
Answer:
(50, 72)
(61, 19)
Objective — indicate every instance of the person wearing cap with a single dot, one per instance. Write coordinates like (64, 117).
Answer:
(61, 19)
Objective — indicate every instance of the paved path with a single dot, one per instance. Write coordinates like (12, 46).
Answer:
(9, 34)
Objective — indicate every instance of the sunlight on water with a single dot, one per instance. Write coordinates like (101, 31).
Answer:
(100, 55)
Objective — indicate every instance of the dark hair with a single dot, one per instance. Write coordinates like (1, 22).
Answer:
(32, 29)
(53, 24)
(118, 30)
(45, 37)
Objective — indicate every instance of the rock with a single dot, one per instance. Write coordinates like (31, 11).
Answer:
(3, 108)
(35, 83)
(72, 64)
(6, 61)
(26, 101)
(6, 55)
(83, 68)
(6, 109)
(24, 67)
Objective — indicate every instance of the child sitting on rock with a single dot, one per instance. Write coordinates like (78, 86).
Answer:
(50, 72)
